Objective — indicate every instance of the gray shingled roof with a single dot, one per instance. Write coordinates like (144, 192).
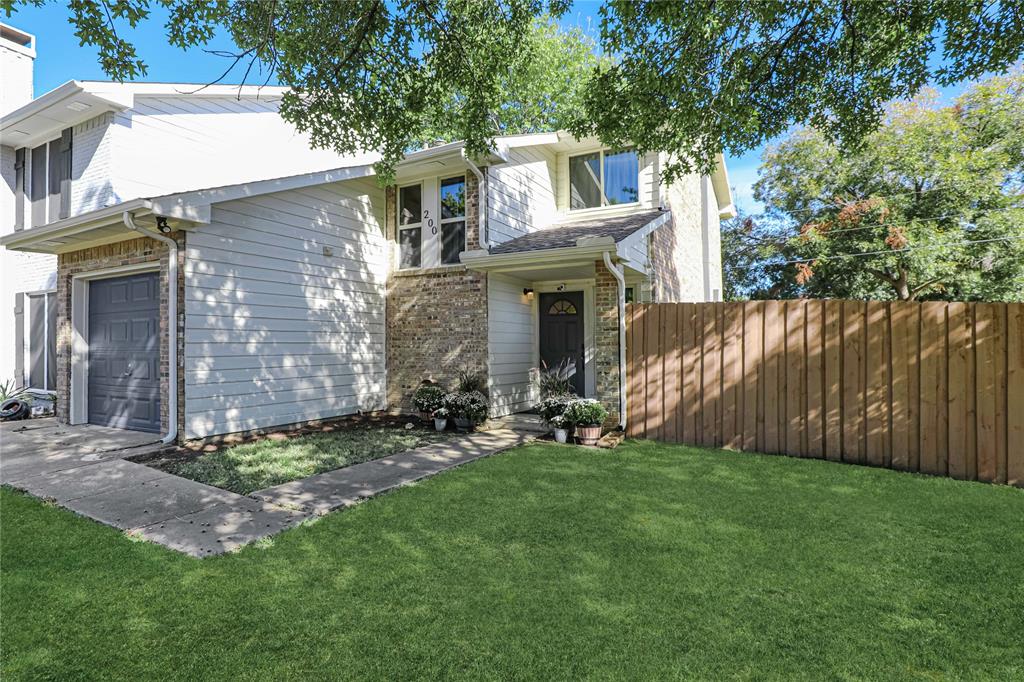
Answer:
(565, 234)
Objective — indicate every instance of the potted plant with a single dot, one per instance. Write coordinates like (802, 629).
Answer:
(466, 408)
(440, 419)
(561, 427)
(553, 408)
(587, 416)
(427, 398)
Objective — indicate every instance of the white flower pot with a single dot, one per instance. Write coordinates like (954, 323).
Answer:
(440, 424)
(562, 435)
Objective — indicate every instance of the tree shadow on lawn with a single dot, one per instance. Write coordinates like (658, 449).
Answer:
(547, 561)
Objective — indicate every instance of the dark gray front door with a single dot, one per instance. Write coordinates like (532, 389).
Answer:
(561, 332)
(124, 352)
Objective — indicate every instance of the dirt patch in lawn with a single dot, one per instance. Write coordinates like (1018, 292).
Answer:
(275, 458)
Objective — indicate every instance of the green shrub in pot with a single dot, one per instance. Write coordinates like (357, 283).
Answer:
(466, 407)
(587, 415)
(428, 397)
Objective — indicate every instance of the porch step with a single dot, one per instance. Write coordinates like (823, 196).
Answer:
(528, 423)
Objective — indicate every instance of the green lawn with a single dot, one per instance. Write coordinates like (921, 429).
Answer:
(269, 461)
(549, 562)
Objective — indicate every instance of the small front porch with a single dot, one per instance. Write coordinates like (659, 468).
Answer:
(554, 296)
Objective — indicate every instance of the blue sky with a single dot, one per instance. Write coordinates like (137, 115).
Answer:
(60, 59)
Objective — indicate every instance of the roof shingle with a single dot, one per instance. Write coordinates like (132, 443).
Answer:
(565, 234)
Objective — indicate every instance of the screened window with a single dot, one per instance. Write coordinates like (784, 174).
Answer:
(453, 219)
(604, 178)
(410, 226)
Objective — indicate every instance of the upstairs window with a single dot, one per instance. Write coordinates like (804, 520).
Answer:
(453, 219)
(47, 182)
(604, 178)
(410, 226)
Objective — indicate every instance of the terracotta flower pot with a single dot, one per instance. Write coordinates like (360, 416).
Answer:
(588, 435)
(463, 424)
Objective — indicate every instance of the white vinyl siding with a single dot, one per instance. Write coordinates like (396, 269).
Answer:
(511, 336)
(521, 197)
(168, 144)
(284, 310)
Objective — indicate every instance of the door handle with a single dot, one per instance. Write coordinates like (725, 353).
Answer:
(128, 371)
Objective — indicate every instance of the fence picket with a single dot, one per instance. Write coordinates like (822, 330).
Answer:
(933, 387)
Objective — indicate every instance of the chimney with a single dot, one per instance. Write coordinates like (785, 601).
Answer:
(17, 54)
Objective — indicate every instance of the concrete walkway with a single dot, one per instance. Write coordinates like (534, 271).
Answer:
(198, 519)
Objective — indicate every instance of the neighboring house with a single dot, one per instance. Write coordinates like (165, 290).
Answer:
(88, 145)
(310, 295)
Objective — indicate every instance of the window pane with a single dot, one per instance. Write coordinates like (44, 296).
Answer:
(37, 341)
(410, 205)
(453, 241)
(585, 181)
(621, 177)
(453, 198)
(409, 246)
(51, 342)
(37, 189)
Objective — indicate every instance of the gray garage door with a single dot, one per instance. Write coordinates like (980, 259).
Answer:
(124, 352)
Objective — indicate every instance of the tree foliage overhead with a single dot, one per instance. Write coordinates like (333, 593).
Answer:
(688, 78)
(931, 206)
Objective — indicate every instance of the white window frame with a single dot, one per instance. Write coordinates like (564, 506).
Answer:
(399, 227)
(604, 199)
(447, 221)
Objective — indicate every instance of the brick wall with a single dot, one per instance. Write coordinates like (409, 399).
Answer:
(131, 252)
(606, 340)
(436, 317)
(676, 250)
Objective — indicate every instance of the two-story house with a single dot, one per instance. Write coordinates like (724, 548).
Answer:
(307, 295)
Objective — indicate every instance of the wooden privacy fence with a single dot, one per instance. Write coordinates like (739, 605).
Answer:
(932, 387)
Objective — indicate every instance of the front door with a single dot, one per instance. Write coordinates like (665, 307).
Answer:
(561, 332)
(124, 352)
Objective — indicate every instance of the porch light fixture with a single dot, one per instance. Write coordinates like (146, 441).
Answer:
(161, 224)
(528, 292)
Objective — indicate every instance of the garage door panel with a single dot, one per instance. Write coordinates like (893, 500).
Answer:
(124, 352)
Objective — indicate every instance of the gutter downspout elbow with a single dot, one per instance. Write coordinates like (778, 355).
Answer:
(172, 323)
(621, 279)
(481, 202)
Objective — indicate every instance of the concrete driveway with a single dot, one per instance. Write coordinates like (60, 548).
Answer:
(32, 447)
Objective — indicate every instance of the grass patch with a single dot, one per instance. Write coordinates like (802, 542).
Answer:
(271, 461)
(549, 562)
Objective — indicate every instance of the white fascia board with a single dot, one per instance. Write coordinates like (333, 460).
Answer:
(24, 240)
(188, 89)
(644, 231)
(723, 192)
(63, 107)
(527, 140)
(510, 262)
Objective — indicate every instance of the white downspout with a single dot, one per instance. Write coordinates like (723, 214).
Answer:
(621, 279)
(172, 323)
(481, 202)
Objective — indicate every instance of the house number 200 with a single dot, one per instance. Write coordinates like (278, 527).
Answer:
(429, 221)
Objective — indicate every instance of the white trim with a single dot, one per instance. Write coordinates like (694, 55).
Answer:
(79, 398)
(600, 151)
(442, 221)
(589, 325)
(27, 336)
(399, 227)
